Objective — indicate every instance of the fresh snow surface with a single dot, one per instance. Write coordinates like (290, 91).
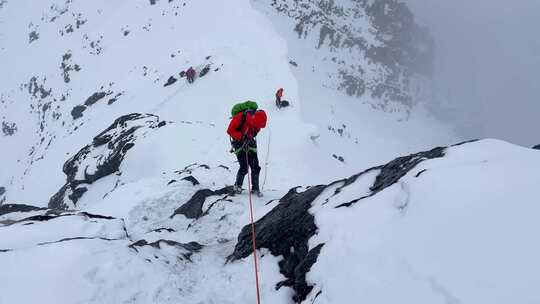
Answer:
(462, 232)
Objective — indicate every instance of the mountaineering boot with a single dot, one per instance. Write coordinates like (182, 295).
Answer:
(237, 190)
(258, 193)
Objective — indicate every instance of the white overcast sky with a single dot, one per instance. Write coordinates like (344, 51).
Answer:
(487, 65)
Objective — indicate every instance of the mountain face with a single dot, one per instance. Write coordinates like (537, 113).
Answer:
(371, 48)
(116, 174)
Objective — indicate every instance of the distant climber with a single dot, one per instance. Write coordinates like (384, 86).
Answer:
(190, 74)
(279, 95)
(246, 123)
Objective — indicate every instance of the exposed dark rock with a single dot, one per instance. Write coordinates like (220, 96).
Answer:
(170, 81)
(77, 111)
(33, 36)
(420, 173)
(293, 63)
(204, 71)
(191, 179)
(9, 128)
(537, 147)
(172, 181)
(96, 216)
(392, 172)
(95, 98)
(10, 208)
(34, 88)
(285, 231)
(2, 190)
(105, 154)
(340, 158)
(163, 229)
(77, 194)
(192, 209)
(191, 247)
(67, 66)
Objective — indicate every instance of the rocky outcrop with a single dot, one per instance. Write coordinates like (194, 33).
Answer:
(537, 147)
(193, 209)
(286, 229)
(10, 208)
(375, 47)
(102, 157)
(9, 128)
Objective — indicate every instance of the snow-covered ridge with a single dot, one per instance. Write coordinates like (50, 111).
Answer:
(427, 226)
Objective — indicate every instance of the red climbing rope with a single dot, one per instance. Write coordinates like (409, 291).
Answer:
(253, 235)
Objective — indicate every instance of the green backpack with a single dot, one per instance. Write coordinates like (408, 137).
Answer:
(243, 106)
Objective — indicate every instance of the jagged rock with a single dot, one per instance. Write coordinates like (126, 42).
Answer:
(191, 246)
(537, 147)
(77, 111)
(95, 98)
(163, 229)
(204, 71)
(170, 81)
(287, 228)
(383, 32)
(9, 128)
(191, 179)
(192, 209)
(285, 231)
(10, 208)
(188, 248)
(104, 154)
(33, 36)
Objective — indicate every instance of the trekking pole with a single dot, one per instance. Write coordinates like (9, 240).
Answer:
(267, 157)
(253, 236)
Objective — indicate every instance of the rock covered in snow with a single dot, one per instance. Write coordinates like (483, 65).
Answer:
(375, 47)
(102, 157)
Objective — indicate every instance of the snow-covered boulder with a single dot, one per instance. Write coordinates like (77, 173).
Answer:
(102, 157)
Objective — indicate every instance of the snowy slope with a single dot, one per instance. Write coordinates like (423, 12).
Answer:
(445, 225)
(128, 171)
(77, 66)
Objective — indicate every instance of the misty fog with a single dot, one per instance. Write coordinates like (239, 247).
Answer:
(486, 66)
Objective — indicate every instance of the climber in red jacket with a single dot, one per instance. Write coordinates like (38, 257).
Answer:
(190, 74)
(279, 95)
(243, 129)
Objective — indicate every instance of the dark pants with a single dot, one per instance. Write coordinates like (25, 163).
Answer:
(244, 159)
(191, 79)
(278, 102)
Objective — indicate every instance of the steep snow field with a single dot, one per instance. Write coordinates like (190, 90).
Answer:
(134, 208)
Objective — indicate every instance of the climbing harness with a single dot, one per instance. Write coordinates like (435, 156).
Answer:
(253, 235)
